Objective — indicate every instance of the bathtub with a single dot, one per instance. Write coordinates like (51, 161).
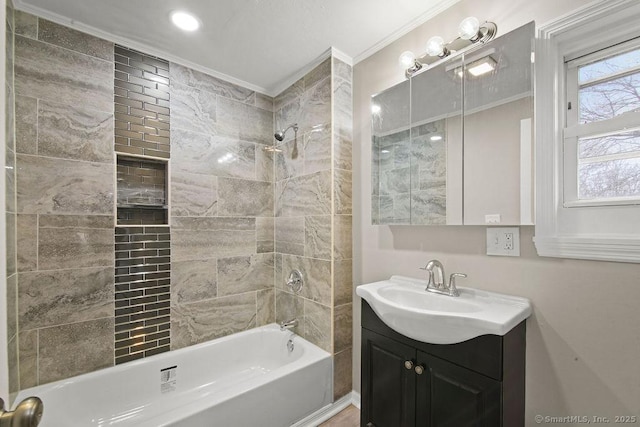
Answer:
(246, 379)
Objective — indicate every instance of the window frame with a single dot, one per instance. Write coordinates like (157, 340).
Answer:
(598, 231)
(573, 130)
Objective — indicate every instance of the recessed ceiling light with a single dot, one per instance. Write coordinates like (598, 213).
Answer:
(185, 21)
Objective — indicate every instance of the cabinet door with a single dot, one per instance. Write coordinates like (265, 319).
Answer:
(388, 386)
(448, 395)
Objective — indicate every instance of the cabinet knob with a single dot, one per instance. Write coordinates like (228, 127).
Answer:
(408, 364)
(419, 369)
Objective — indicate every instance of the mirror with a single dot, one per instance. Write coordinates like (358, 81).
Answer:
(498, 126)
(453, 145)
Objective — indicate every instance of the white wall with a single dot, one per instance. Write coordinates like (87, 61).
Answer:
(583, 340)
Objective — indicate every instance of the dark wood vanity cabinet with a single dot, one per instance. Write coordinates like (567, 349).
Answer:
(408, 383)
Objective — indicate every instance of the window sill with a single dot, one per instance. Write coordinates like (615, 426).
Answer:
(599, 248)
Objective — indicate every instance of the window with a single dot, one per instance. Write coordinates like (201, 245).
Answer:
(602, 133)
(588, 134)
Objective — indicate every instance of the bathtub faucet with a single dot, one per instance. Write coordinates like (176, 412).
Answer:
(288, 324)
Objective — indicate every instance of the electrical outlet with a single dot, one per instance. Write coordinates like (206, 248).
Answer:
(508, 241)
(503, 241)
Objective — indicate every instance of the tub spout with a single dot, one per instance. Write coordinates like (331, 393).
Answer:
(288, 324)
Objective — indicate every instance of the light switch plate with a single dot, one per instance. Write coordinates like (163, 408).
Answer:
(503, 241)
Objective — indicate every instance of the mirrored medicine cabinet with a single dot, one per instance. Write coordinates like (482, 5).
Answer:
(453, 145)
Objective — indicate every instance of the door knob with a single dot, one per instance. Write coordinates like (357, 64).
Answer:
(408, 364)
(419, 369)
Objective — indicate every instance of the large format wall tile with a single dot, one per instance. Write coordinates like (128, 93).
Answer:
(26, 125)
(201, 81)
(238, 197)
(49, 72)
(74, 349)
(74, 133)
(46, 185)
(212, 155)
(244, 122)
(265, 229)
(343, 324)
(317, 324)
(290, 235)
(193, 194)
(342, 242)
(317, 232)
(75, 40)
(49, 298)
(342, 281)
(316, 275)
(28, 358)
(206, 320)
(288, 307)
(25, 24)
(193, 109)
(310, 110)
(317, 149)
(305, 195)
(71, 241)
(244, 274)
(193, 280)
(206, 238)
(343, 192)
(266, 307)
(342, 371)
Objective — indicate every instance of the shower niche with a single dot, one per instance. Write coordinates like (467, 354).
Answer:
(142, 191)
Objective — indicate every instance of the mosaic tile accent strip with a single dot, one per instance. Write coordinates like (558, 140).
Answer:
(141, 97)
(142, 292)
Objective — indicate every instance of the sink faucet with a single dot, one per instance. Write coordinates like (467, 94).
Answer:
(439, 285)
(288, 324)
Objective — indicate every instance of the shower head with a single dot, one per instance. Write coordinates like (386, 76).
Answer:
(279, 135)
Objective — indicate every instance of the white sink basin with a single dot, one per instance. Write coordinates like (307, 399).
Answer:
(406, 307)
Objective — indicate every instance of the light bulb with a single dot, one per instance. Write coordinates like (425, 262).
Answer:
(468, 28)
(407, 59)
(435, 46)
(185, 21)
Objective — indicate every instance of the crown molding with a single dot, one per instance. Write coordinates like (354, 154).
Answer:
(410, 26)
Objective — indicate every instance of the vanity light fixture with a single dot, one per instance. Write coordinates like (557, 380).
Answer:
(470, 32)
(482, 66)
(185, 21)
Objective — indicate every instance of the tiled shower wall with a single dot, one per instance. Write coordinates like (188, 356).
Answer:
(229, 255)
(313, 211)
(221, 204)
(10, 208)
(221, 208)
(65, 187)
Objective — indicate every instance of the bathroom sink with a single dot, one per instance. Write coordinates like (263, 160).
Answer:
(405, 306)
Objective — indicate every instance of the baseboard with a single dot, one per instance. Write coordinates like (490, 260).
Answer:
(323, 414)
(355, 399)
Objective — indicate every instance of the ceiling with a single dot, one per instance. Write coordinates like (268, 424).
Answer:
(264, 45)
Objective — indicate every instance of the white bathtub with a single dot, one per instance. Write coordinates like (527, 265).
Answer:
(245, 379)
